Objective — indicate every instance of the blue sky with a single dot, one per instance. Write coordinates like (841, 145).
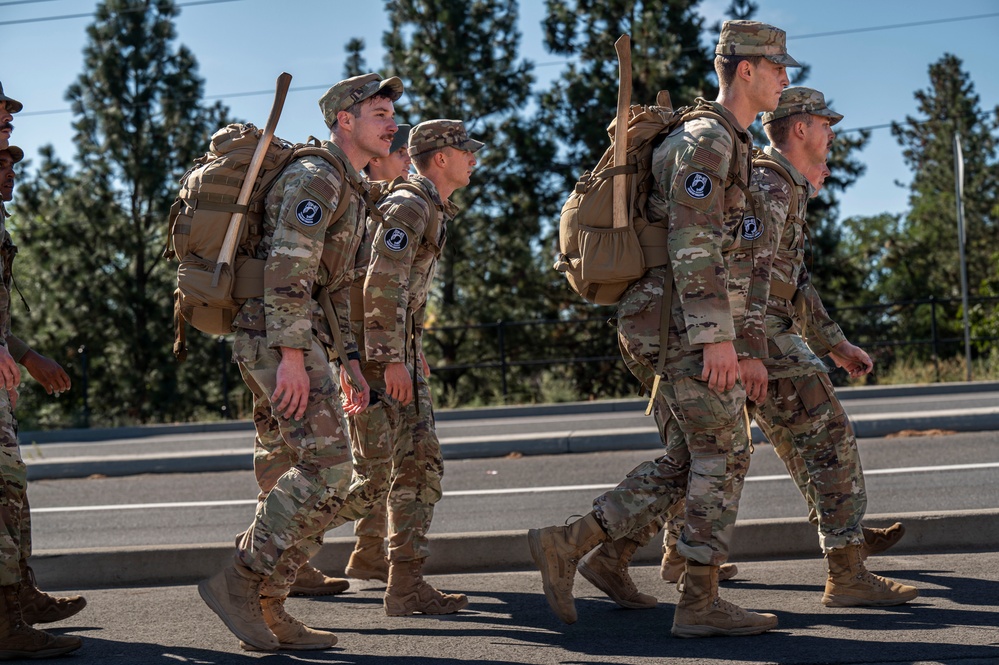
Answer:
(869, 75)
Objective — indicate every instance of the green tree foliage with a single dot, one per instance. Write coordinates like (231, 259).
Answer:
(92, 236)
(355, 65)
(915, 257)
(459, 59)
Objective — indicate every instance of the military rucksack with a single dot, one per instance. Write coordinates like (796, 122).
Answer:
(205, 297)
(600, 261)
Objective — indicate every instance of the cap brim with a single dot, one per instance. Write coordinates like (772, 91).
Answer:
(13, 106)
(782, 59)
(829, 113)
(471, 145)
(401, 138)
(16, 153)
(394, 85)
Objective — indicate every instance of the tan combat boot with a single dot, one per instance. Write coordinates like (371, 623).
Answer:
(606, 568)
(291, 633)
(19, 640)
(310, 581)
(234, 595)
(40, 607)
(556, 551)
(878, 540)
(701, 613)
(850, 584)
(368, 560)
(407, 593)
(674, 564)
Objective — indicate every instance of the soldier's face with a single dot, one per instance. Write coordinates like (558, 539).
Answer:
(375, 127)
(5, 125)
(398, 163)
(816, 176)
(459, 166)
(818, 138)
(6, 176)
(768, 81)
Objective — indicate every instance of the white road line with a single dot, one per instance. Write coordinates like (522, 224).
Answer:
(494, 492)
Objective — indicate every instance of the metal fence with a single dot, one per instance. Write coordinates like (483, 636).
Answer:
(873, 327)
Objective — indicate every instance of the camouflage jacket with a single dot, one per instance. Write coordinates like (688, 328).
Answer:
(306, 253)
(401, 272)
(8, 250)
(784, 229)
(719, 295)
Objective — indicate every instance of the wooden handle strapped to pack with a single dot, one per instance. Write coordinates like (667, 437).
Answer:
(228, 252)
(623, 48)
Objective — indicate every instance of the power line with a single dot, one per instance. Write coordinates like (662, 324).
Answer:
(61, 17)
(21, 2)
(893, 26)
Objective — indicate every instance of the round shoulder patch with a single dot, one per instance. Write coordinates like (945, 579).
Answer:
(309, 212)
(396, 239)
(752, 228)
(698, 185)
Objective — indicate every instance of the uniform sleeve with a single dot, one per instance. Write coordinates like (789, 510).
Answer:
(696, 230)
(17, 348)
(820, 331)
(386, 285)
(761, 231)
(303, 198)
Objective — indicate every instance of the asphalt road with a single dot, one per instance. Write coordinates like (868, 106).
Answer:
(953, 622)
(918, 474)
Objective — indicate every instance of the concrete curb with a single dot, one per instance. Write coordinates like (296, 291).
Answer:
(563, 408)
(493, 445)
(506, 550)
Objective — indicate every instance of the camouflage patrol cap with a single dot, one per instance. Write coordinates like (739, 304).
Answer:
(754, 38)
(441, 133)
(13, 106)
(401, 138)
(801, 100)
(356, 89)
(16, 153)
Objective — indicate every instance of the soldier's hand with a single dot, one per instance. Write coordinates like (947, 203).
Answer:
(721, 366)
(754, 378)
(852, 358)
(47, 372)
(356, 398)
(291, 394)
(10, 373)
(399, 382)
(424, 365)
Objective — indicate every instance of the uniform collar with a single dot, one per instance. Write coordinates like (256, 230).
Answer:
(796, 175)
(725, 113)
(348, 168)
(450, 209)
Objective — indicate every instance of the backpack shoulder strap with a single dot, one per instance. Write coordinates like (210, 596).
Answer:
(762, 159)
(313, 150)
(433, 225)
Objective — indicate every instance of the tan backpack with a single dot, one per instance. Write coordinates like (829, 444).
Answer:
(206, 297)
(605, 240)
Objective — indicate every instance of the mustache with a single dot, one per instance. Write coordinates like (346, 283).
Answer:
(7, 125)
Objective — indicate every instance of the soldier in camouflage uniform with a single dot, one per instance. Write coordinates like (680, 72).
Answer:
(284, 342)
(786, 174)
(713, 332)
(405, 249)
(800, 403)
(21, 602)
(371, 435)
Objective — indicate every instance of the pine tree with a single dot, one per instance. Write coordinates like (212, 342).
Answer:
(93, 236)
(459, 59)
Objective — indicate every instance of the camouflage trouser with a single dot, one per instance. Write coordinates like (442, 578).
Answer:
(302, 466)
(372, 434)
(15, 522)
(810, 432)
(705, 460)
(416, 469)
